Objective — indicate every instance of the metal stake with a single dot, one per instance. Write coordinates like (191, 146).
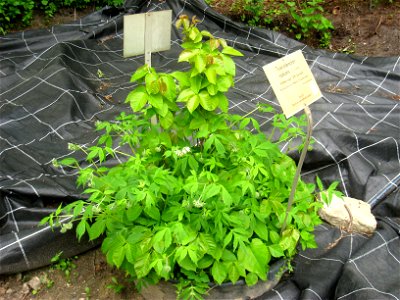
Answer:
(299, 166)
(147, 39)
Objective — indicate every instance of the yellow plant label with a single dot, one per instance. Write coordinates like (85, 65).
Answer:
(293, 83)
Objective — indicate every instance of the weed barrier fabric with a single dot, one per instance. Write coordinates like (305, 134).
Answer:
(51, 94)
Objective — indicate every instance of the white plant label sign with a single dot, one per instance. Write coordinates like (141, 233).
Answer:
(147, 32)
(292, 82)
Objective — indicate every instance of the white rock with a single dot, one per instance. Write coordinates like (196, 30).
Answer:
(34, 283)
(25, 289)
(361, 219)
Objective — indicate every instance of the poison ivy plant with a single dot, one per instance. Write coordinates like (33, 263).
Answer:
(200, 195)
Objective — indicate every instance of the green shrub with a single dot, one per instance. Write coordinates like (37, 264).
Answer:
(202, 194)
(13, 13)
(306, 17)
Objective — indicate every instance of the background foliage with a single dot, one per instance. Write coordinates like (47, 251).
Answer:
(15, 13)
(303, 18)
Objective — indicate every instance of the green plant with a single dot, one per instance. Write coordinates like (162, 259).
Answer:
(63, 264)
(116, 286)
(307, 16)
(253, 12)
(44, 281)
(15, 13)
(201, 195)
(87, 293)
(12, 10)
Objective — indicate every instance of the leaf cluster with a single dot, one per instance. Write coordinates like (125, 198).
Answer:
(200, 195)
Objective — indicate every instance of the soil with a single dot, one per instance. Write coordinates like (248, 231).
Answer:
(90, 278)
(359, 29)
(362, 27)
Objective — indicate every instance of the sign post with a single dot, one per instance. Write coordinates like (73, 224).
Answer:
(295, 88)
(146, 33)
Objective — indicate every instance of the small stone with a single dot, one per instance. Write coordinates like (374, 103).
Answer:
(18, 277)
(34, 283)
(9, 291)
(357, 217)
(25, 289)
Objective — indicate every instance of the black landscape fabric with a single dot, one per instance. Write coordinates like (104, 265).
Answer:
(52, 94)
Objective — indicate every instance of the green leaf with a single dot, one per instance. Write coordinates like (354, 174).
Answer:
(251, 279)
(187, 264)
(193, 255)
(186, 55)
(219, 272)
(137, 100)
(93, 153)
(231, 51)
(152, 84)
(180, 253)
(211, 74)
(233, 273)
(183, 234)
(276, 250)
(228, 256)
(78, 208)
(168, 87)
(185, 95)
(97, 229)
(118, 256)
(205, 262)
(211, 190)
(224, 83)
(152, 212)
(212, 89)
(228, 239)
(140, 73)
(80, 229)
(69, 161)
(193, 164)
(167, 121)
(163, 111)
(261, 230)
(158, 241)
(200, 63)
(229, 65)
(249, 261)
(207, 102)
(195, 83)
(219, 146)
(226, 196)
(274, 236)
(142, 265)
(156, 101)
(138, 234)
(133, 212)
(223, 102)
(182, 77)
(193, 103)
(260, 251)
